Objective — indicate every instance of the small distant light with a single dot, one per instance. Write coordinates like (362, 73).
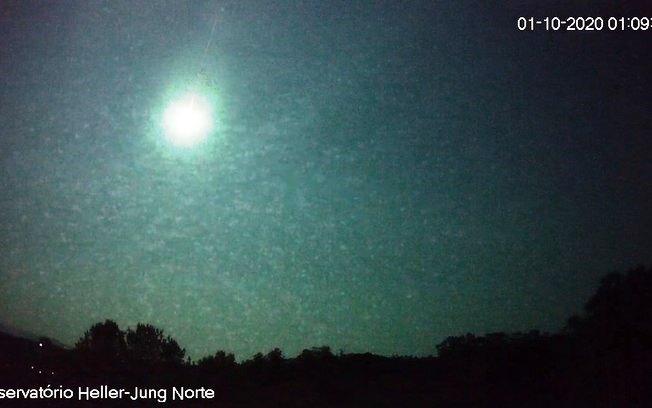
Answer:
(40, 344)
(40, 372)
(31, 367)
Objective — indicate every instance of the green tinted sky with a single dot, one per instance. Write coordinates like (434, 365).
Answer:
(380, 177)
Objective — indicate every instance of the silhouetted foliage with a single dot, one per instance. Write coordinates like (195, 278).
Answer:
(104, 341)
(619, 314)
(322, 353)
(171, 352)
(457, 345)
(275, 356)
(274, 359)
(148, 344)
(493, 344)
(220, 361)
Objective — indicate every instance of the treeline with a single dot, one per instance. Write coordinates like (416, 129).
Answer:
(107, 343)
(601, 357)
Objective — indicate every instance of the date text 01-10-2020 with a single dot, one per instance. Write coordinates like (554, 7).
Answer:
(584, 23)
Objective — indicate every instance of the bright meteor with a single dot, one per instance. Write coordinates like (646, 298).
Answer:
(187, 121)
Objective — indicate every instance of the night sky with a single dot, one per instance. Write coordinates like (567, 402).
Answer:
(379, 175)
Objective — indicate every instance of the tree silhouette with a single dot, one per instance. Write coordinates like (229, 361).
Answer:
(614, 337)
(172, 352)
(275, 357)
(619, 314)
(464, 347)
(322, 353)
(148, 343)
(220, 361)
(104, 341)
